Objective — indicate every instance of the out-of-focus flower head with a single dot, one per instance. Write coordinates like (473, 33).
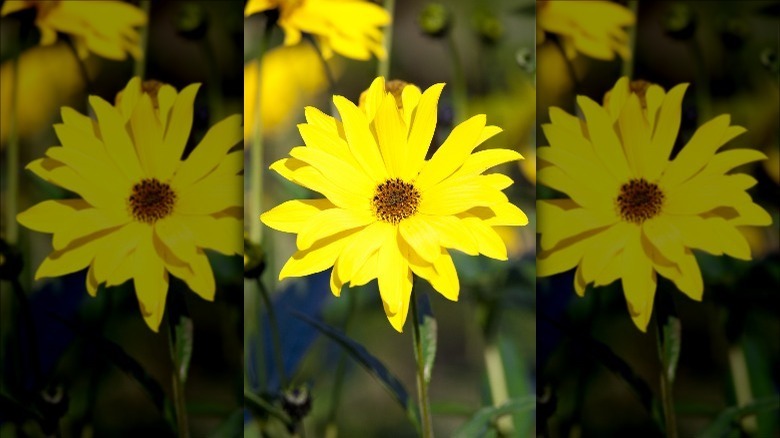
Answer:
(290, 77)
(632, 212)
(350, 28)
(49, 78)
(105, 28)
(593, 28)
(141, 212)
(387, 213)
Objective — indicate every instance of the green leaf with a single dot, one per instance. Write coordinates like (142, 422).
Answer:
(428, 334)
(114, 353)
(183, 347)
(367, 360)
(482, 420)
(669, 336)
(728, 418)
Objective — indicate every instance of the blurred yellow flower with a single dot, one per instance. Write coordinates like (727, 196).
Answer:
(40, 92)
(347, 27)
(291, 76)
(632, 212)
(105, 28)
(142, 212)
(593, 28)
(387, 212)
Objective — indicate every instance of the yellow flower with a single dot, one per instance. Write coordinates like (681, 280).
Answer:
(387, 212)
(632, 212)
(593, 28)
(40, 93)
(141, 212)
(290, 76)
(347, 27)
(105, 28)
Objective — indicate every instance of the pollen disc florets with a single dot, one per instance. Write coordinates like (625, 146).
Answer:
(639, 200)
(151, 200)
(395, 200)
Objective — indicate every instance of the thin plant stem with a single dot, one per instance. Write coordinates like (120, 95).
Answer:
(275, 339)
(266, 406)
(459, 92)
(341, 369)
(667, 398)
(214, 95)
(179, 398)
(740, 376)
(383, 69)
(12, 169)
(703, 100)
(627, 69)
(256, 150)
(422, 389)
(325, 65)
(496, 375)
(139, 69)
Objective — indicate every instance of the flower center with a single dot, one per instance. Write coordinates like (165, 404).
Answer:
(639, 200)
(151, 200)
(395, 200)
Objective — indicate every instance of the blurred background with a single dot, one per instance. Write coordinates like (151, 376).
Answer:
(484, 52)
(102, 371)
(728, 52)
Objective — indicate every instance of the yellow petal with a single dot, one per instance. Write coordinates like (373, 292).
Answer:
(197, 274)
(178, 132)
(148, 137)
(395, 277)
(360, 248)
(361, 141)
(605, 142)
(49, 216)
(292, 216)
(85, 222)
(117, 247)
(337, 171)
(421, 237)
(697, 152)
(421, 130)
(665, 132)
(665, 237)
(329, 222)
(452, 153)
(75, 257)
(211, 195)
(488, 241)
(391, 135)
(560, 219)
(317, 258)
(120, 148)
(639, 281)
(210, 151)
(452, 197)
(151, 283)
(603, 247)
(220, 234)
(635, 134)
(453, 233)
(480, 161)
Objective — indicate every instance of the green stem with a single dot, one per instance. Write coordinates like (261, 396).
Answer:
(325, 65)
(256, 152)
(422, 388)
(341, 369)
(383, 69)
(260, 403)
(627, 69)
(703, 100)
(12, 169)
(277, 343)
(740, 375)
(179, 398)
(496, 375)
(214, 95)
(667, 398)
(459, 92)
(139, 69)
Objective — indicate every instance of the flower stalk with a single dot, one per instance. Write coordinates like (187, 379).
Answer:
(139, 69)
(178, 380)
(627, 69)
(667, 398)
(256, 150)
(277, 343)
(383, 69)
(12, 169)
(422, 388)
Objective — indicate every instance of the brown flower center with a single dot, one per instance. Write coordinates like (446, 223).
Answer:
(151, 200)
(639, 200)
(395, 200)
